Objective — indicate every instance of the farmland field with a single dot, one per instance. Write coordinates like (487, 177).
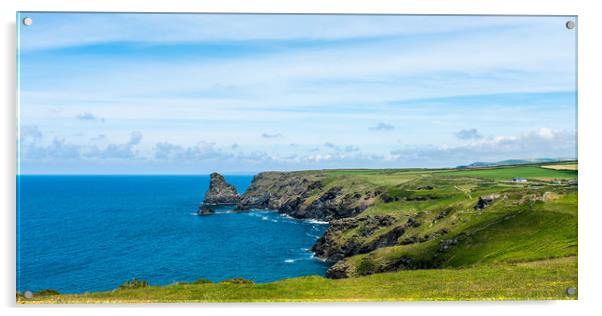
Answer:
(561, 167)
(527, 172)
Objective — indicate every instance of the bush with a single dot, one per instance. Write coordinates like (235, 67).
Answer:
(237, 281)
(201, 281)
(366, 266)
(46, 292)
(133, 284)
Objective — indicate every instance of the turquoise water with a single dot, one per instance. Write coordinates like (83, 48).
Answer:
(92, 233)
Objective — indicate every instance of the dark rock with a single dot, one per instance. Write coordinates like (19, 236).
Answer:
(425, 187)
(332, 247)
(403, 263)
(485, 201)
(384, 240)
(330, 205)
(441, 215)
(389, 238)
(418, 198)
(205, 210)
(220, 192)
(339, 270)
(410, 240)
(373, 223)
(259, 201)
(386, 198)
(444, 245)
(412, 222)
(293, 194)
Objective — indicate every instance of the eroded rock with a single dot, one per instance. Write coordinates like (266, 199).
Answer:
(302, 196)
(339, 270)
(220, 192)
(205, 210)
(332, 246)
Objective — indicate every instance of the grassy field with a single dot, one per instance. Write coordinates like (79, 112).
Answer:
(539, 280)
(527, 172)
(569, 166)
(438, 244)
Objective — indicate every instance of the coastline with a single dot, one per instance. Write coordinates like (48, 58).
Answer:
(422, 222)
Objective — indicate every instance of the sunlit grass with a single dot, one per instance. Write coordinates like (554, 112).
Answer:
(537, 280)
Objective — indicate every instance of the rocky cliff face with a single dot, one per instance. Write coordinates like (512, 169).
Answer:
(415, 220)
(220, 193)
(333, 246)
(303, 195)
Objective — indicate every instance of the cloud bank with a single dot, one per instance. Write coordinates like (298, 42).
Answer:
(268, 92)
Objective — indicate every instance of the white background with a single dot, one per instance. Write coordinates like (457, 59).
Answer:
(590, 132)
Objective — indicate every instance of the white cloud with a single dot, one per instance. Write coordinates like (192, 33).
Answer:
(541, 143)
(326, 77)
(30, 134)
(467, 134)
(87, 116)
(382, 127)
(274, 135)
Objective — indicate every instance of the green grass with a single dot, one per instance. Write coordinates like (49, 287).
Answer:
(533, 234)
(541, 280)
(504, 232)
(507, 173)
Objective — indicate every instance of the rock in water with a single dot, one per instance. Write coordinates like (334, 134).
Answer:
(220, 192)
(205, 210)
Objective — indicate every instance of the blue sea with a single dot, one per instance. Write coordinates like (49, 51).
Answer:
(92, 233)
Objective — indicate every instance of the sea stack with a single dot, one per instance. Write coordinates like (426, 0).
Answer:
(220, 193)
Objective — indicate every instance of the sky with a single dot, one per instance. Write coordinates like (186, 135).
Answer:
(197, 93)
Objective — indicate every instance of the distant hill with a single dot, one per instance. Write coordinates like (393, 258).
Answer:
(510, 162)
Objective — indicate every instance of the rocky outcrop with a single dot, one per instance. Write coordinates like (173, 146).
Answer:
(339, 270)
(334, 246)
(485, 201)
(303, 196)
(220, 192)
(205, 210)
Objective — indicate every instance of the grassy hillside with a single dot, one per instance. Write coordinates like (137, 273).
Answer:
(538, 280)
(437, 224)
(414, 234)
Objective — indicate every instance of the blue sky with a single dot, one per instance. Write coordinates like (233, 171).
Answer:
(194, 93)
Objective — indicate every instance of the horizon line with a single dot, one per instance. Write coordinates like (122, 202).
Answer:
(250, 173)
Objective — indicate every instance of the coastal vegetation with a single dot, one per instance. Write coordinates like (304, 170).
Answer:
(537, 280)
(503, 232)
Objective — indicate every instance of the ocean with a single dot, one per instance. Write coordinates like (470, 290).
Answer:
(92, 233)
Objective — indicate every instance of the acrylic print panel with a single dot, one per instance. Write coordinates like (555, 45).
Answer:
(244, 157)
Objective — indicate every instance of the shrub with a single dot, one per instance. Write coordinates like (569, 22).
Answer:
(237, 281)
(366, 266)
(202, 281)
(46, 292)
(133, 284)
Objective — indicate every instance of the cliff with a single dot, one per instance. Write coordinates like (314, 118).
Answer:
(389, 220)
(306, 195)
